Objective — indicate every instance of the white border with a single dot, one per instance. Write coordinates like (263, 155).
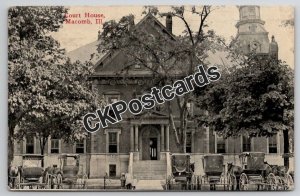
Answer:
(4, 92)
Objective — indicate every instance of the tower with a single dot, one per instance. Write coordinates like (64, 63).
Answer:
(252, 36)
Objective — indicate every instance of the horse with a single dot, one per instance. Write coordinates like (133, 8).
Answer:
(12, 175)
(236, 171)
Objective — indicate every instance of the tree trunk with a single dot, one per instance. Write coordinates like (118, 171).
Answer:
(42, 147)
(10, 150)
(10, 144)
(286, 150)
(171, 118)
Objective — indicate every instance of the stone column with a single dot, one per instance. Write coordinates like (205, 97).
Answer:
(162, 138)
(167, 138)
(131, 138)
(136, 147)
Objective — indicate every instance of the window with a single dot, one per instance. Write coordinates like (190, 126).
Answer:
(30, 144)
(189, 142)
(112, 170)
(112, 99)
(137, 66)
(220, 144)
(273, 144)
(54, 145)
(246, 143)
(251, 12)
(80, 147)
(112, 142)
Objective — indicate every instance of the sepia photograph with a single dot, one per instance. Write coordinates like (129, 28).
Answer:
(151, 98)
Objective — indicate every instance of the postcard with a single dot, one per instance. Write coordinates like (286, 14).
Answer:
(151, 98)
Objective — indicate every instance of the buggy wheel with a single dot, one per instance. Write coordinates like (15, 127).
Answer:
(271, 182)
(243, 182)
(289, 182)
(232, 183)
(279, 183)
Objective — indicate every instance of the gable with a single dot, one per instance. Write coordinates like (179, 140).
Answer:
(115, 61)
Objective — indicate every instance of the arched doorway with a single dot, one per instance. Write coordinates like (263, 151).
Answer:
(150, 143)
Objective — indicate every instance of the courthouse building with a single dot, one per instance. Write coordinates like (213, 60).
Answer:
(142, 144)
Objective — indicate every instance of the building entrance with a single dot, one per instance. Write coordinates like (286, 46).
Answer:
(149, 143)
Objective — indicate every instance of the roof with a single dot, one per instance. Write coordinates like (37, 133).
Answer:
(89, 52)
(85, 53)
(149, 15)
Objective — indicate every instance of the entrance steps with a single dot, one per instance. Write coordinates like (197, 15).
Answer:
(150, 170)
(150, 185)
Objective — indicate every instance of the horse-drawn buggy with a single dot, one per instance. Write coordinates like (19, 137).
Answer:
(214, 173)
(284, 180)
(182, 172)
(256, 174)
(68, 174)
(30, 174)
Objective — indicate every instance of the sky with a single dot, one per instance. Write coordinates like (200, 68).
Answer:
(222, 20)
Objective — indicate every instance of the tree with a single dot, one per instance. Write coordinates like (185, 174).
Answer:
(47, 93)
(256, 99)
(163, 53)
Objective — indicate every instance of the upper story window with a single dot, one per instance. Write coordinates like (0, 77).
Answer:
(80, 146)
(246, 143)
(30, 144)
(189, 142)
(273, 144)
(111, 98)
(54, 148)
(220, 144)
(112, 140)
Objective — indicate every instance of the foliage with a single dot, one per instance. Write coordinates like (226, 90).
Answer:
(256, 99)
(47, 93)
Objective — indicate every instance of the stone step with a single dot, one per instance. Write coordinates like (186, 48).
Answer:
(150, 177)
(149, 185)
(149, 170)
